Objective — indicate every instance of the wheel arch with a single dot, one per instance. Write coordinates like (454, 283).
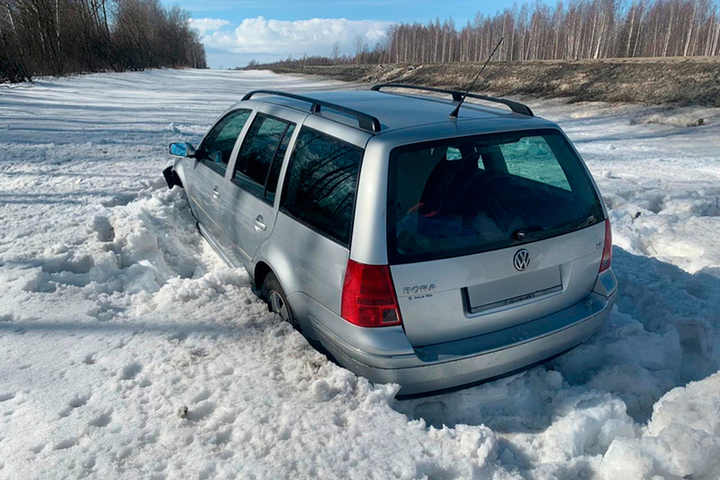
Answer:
(260, 272)
(272, 259)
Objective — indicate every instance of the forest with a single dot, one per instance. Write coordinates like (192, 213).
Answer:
(60, 37)
(578, 29)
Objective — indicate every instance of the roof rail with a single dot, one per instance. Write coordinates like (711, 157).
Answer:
(365, 121)
(516, 107)
(457, 96)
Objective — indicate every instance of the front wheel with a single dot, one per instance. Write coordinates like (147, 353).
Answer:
(276, 299)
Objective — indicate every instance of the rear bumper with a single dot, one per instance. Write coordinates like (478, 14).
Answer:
(472, 360)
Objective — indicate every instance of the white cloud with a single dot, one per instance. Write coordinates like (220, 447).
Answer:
(205, 25)
(262, 37)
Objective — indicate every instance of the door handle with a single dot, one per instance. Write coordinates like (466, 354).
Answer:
(259, 225)
(216, 193)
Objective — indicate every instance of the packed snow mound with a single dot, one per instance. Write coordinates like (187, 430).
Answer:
(130, 350)
(682, 440)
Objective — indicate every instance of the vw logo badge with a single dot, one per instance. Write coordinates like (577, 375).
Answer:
(521, 260)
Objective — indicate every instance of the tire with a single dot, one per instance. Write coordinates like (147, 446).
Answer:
(276, 299)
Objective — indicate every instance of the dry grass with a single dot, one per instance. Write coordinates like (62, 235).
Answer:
(683, 81)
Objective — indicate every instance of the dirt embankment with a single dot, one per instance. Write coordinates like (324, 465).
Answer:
(684, 81)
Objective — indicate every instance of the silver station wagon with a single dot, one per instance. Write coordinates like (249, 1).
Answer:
(414, 246)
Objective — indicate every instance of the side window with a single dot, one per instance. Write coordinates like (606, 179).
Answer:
(262, 153)
(271, 186)
(532, 158)
(321, 181)
(218, 145)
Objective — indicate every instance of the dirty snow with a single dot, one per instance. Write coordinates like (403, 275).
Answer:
(129, 350)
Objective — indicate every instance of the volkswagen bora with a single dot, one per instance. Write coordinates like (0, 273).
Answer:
(416, 247)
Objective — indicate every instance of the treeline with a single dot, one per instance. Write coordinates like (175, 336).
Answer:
(578, 29)
(59, 37)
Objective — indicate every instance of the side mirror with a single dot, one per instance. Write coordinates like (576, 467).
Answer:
(182, 149)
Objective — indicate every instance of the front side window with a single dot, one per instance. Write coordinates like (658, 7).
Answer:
(261, 154)
(321, 182)
(218, 145)
(475, 194)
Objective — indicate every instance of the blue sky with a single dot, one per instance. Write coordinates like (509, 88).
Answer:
(234, 32)
(390, 10)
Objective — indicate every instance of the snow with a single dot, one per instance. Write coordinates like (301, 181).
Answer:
(129, 350)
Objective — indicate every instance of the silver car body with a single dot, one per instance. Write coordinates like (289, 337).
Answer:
(443, 342)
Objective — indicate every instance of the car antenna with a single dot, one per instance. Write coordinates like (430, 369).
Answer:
(454, 113)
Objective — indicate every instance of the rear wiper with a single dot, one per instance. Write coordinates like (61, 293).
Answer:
(591, 220)
(532, 232)
(526, 233)
(577, 224)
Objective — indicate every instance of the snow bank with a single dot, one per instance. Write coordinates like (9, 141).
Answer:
(682, 440)
(129, 350)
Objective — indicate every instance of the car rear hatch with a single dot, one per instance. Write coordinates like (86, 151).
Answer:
(489, 232)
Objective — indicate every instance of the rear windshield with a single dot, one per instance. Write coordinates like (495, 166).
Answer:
(475, 194)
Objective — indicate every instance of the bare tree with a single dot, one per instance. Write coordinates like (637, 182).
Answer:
(358, 46)
(57, 37)
(573, 30)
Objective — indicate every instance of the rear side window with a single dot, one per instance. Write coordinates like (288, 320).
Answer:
(261, 155)
(474, 194)
(218, 145)
(321, 182)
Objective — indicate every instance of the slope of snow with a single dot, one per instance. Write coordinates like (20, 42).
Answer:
(129, 350)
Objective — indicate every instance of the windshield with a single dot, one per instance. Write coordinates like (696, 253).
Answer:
(475, 194)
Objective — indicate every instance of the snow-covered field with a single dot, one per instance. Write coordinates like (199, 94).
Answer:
(115, 315)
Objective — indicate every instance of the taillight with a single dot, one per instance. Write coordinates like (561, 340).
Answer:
(607, 250)
(368, 296)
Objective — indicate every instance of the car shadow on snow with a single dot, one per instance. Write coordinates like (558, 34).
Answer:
(663, 333)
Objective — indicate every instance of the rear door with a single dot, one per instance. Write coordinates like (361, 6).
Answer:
(205, 184)
(314, 225)
(489, 232)
(248, 202)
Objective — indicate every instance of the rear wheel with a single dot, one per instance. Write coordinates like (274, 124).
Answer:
(276, 299)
